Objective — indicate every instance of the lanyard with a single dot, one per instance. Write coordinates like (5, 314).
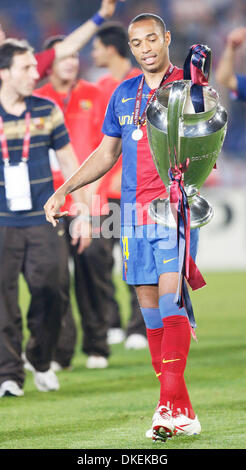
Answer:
(26, 140)
(137, 120)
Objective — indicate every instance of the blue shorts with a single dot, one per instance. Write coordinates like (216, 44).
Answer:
(151, 250)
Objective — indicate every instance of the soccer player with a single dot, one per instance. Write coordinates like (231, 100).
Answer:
(225, 72)
(111, 50)
(150, 252)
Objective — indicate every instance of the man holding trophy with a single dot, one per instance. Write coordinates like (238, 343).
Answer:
(159, 260)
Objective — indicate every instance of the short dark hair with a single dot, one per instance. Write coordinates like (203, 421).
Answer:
(149, 16)
(11, 47)
(114, 34)
(52, 40)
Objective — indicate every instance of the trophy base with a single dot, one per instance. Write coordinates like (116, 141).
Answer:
(200, 212)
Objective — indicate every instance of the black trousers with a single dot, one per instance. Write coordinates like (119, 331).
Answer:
(90, 280)
(90, 287)
(39, 252)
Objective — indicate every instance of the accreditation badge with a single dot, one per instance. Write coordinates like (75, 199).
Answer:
(17, 187)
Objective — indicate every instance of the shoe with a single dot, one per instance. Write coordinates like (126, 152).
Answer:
(96, 362)
(10, 388)
(149, 433)
(162, 426)
(46, 381)
(186, 426)
(27, 364)
(136, 341)
(115, 336)
(55, 366)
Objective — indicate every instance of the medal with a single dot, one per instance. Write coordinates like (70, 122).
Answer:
(137, 134)
(138, 120)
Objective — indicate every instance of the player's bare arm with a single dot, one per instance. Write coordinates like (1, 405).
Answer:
(78, 38)
(69, 164)
(97, 164)
(2, 34)
(225, 72)
(81, 235)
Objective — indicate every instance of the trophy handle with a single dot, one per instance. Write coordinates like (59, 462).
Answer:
(176, 101)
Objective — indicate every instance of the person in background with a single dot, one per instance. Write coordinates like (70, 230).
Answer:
(225, 72)
(74, 41)
(111, 50)
(82, 104)
(29, 127)
(60, 54)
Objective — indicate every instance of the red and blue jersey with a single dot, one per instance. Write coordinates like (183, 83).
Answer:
(141, 182)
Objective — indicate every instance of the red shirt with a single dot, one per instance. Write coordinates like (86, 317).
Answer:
(83, 109)
(108, 84)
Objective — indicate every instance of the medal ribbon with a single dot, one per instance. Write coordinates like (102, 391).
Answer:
(197, 68)
(26, 140)
(137, 120)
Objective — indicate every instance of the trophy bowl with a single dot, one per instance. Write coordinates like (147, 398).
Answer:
(177, 134)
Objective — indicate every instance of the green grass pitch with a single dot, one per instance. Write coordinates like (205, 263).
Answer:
(112, 408)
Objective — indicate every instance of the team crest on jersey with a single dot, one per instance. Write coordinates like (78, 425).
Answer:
(85, 104)
(39, 122)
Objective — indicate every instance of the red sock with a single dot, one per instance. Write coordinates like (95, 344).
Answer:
(154, 337)
(175, 349)
(182, 402)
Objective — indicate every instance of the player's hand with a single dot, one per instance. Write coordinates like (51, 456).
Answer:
(52, 208)
(108, 7)
(81, 233)
(237, 37)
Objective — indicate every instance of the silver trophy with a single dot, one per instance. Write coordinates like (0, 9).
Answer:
(176, 133)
